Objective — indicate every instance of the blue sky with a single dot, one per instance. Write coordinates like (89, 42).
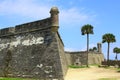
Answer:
(102, 14)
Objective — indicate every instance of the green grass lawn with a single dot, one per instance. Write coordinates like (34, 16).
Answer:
(83, 66)
(16, 79)
(107, 79)
(118, 69)
(74, 66)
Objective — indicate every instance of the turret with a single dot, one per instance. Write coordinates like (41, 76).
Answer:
(54, 19)
(99, 47)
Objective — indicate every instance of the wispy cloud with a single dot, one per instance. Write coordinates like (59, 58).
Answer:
(71, 49)
(76, 16)
(37, 10)
(27, 8)
(82, 49)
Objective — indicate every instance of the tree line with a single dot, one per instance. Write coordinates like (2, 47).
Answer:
(106, 38)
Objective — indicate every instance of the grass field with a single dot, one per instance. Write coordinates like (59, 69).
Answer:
(108, 79)
(74, 66)
(16, 79)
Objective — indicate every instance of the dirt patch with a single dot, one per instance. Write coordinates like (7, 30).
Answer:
(92, 73)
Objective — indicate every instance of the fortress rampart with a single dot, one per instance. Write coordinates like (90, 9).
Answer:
(36, 50)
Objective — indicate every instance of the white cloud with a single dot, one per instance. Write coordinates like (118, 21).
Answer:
(40, 9)
(71, 49)
(24, 7)
(83, 49)
(73, 15)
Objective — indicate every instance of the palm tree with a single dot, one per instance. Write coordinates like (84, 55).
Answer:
(117, 51)
(109, 38)
(94, 48)
(87, 29)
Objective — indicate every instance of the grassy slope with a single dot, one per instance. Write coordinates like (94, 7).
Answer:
(15, 79)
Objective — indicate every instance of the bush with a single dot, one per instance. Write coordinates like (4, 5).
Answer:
(74, 66)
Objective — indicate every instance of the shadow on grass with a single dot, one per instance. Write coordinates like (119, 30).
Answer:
(107, 79)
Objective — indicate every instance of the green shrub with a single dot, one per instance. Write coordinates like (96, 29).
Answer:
(107, 79)
(74, 66)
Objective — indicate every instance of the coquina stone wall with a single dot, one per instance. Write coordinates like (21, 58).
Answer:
(33, 50)
(80, 58)
(95, 58)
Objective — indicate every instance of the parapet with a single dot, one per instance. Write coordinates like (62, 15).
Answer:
(32, 26)
(7, 31)
(27, 27)
(52, 22)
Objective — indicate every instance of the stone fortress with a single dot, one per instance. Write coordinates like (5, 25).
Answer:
(36, 50)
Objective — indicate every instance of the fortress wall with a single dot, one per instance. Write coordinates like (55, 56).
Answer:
(69, 58)
(33, 54)
(36, 25)
(36, 50)
(80, 58)
(95, 58)
(33, 50)
(63, 59)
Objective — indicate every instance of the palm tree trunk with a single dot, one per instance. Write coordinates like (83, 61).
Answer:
(116, 57)
(108, 54)
(87, 47)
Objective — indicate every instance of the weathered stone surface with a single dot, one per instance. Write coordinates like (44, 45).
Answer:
(32, 50)
(80, 58)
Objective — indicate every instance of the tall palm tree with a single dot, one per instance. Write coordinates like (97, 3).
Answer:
(109, 38)
(87, 29)
(117, 51)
